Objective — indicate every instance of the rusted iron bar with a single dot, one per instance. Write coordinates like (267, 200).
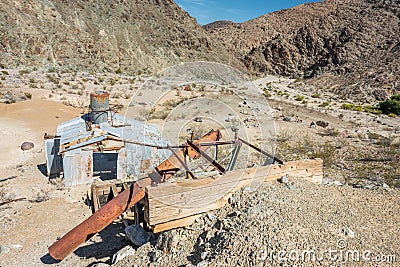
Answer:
(235, 153)
(217, 143)
(183, 164)
(176, 147)
(262, 151)
(113, 209)
(97, 222)
(207, 157)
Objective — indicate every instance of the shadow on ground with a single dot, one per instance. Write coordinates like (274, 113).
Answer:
(112, 240)
(42, 168)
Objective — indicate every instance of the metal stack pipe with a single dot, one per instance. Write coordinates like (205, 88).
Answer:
(99, 106)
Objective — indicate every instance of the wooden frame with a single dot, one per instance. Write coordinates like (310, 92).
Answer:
(172, 205)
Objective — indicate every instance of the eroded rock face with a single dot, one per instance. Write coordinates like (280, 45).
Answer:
(349, 47)
(124, 36)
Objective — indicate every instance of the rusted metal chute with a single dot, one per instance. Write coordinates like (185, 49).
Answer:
(125, 200)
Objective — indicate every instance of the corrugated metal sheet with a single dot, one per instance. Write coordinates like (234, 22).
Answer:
(54, 161)
(78, 164)
(78, 167)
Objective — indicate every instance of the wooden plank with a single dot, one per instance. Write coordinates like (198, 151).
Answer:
(172, 201)
(175, 224)
(95, 198)
(114, 190)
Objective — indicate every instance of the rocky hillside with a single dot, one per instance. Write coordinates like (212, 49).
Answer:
(349, 47)
(128, 36)
(217, 24)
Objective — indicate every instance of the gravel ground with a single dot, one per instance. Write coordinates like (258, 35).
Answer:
(282, 225)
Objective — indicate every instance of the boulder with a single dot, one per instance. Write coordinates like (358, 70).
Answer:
(137, 235)
(122, 253)
(27, 146)
(167, 241)
(322, 124)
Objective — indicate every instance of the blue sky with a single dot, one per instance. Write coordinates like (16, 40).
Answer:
(206, 11)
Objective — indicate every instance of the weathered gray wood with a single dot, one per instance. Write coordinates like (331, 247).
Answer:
(173, 201)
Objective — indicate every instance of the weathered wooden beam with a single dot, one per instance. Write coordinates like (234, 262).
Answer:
(172, 201)
(175, 223)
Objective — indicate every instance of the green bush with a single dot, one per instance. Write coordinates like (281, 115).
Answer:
(391, 106)
(349, 106)
(299, 98)
(316, 95)
(28, 95)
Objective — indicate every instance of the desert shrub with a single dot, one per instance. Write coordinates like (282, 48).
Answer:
(158, 114)
(325, 104)
(4, 72)
(316, 95)
(331, 132)
(267, 94)
(349, 106)
(28, 95)
(371, 109)
(53, 79)
(391, 106)
(42, 196)
(22, 72)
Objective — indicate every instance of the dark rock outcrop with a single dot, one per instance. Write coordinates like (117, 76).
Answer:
(349, 47)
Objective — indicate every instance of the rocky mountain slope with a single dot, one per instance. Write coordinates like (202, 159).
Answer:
(349, 47)
(129, 36)
(217, 24)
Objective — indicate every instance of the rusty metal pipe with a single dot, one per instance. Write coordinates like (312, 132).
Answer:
(118, 205)
(97, 222)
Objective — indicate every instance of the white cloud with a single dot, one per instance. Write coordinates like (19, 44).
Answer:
(232, 11)
(196, 2)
